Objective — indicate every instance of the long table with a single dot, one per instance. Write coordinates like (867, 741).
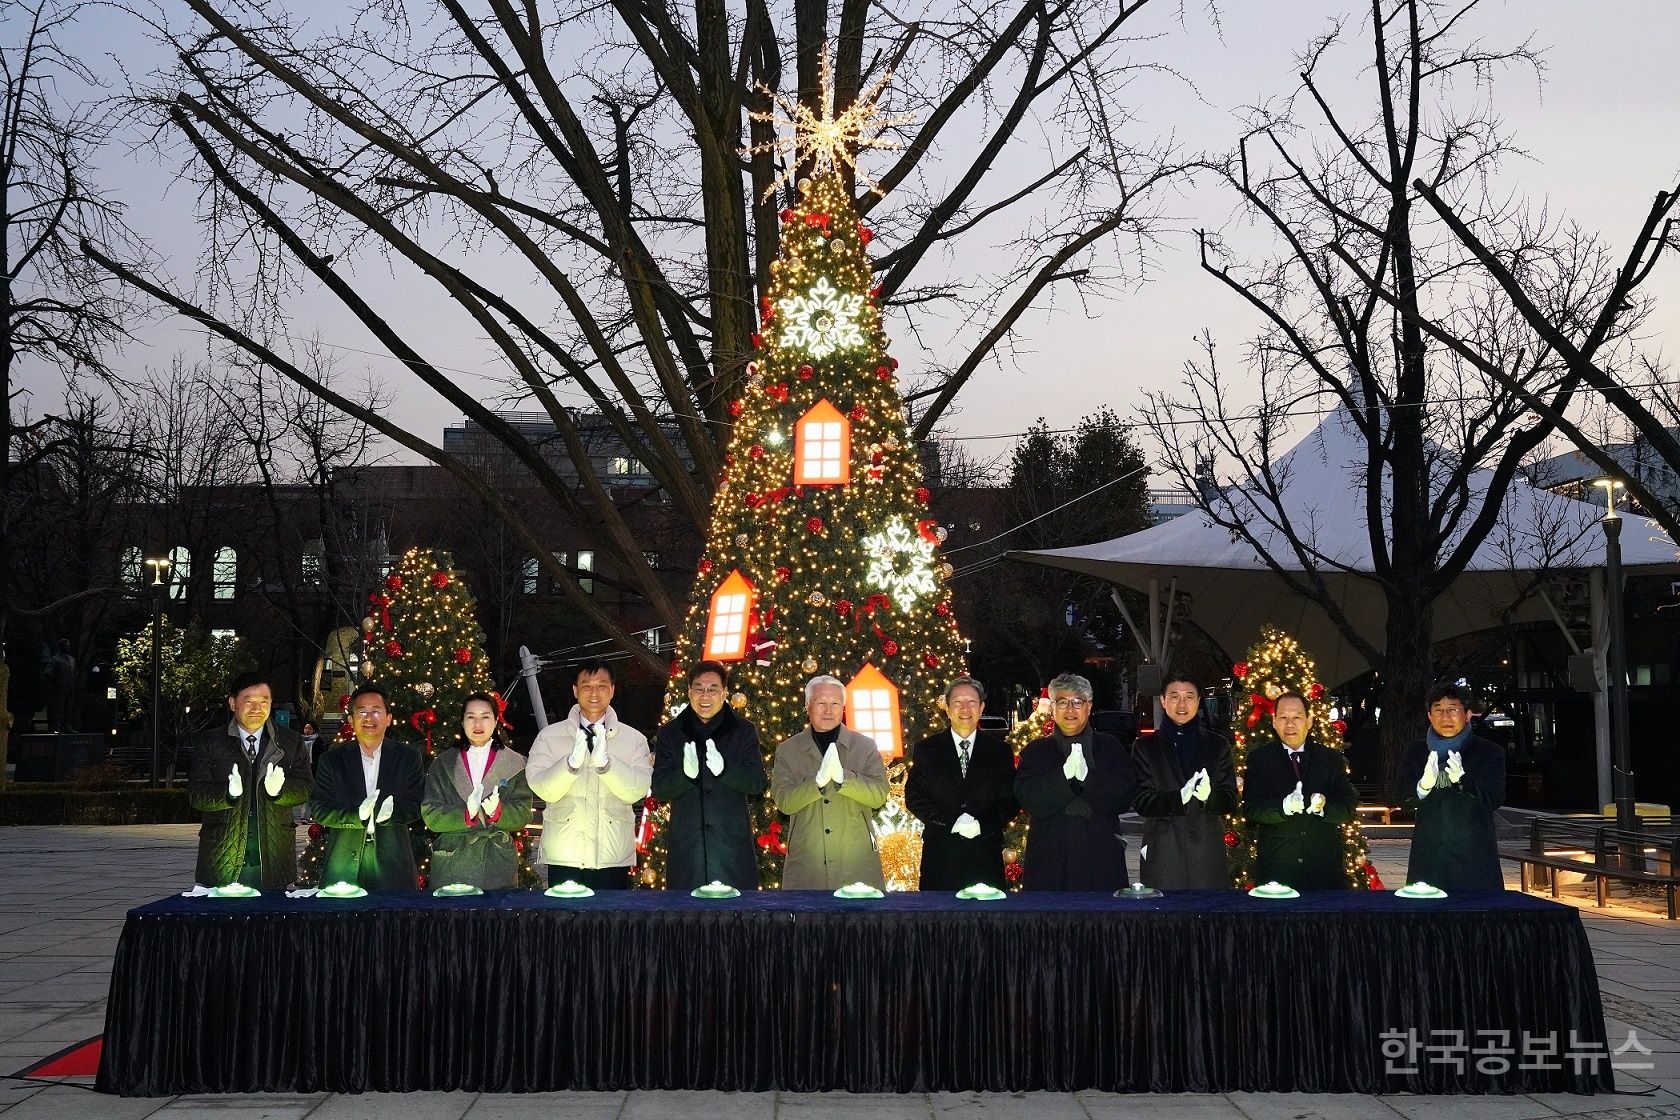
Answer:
(517, 992)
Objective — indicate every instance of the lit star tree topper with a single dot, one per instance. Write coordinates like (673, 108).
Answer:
(821, 550)
(821, 140)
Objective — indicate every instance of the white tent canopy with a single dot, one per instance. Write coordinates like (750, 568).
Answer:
(1232, 592)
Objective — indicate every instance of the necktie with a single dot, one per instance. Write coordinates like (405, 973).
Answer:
(589, 736)
(962, 756)
(1295, 761)
(251, 747)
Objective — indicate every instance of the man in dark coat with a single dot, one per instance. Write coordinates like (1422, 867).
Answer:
(1455, 780)
(1187, 782)
(366, 796)
(962, 788)
(1075, 783)
(245, 779)
(707, 764)
(1299, 795)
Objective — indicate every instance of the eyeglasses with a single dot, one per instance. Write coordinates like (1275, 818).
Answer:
(1073, 702)
(705, 690)
(1450, 710)
(364, 713)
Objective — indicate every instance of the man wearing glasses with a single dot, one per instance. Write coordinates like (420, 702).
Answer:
(366, 798)
(1075, 782)
(707, 763)
(1455, 780)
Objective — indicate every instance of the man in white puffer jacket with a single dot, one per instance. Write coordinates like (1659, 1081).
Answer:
(591, 771)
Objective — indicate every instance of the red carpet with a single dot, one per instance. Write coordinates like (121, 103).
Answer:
(80, 1060)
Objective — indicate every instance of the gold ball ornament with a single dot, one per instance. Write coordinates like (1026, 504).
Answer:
(1010, 855)
(367, 668)
(425, 689)
(1273, 690)
(740, 540)
(945, 570)
(738, 701)
(367, 625)
(817, 599)
(809, 665)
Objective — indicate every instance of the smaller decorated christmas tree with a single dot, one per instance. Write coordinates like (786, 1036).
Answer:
(1277, 664)
(422, 643)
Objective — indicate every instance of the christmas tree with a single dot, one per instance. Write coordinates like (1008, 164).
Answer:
(821, 556)
(1276, 664)
(421, 642)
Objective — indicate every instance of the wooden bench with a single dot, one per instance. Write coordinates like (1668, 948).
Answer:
(1599, 852)
(1371, 802)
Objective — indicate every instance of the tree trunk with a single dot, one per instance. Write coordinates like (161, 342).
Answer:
(5, 716)
(1404, 677)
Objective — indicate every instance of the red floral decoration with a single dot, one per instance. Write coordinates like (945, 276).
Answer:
(805, 373)
(883, 373)
(463, 656)
(842, 607)
(815, 524)
(1012, 872)
(393, 648)
(705, 565)
(923, 494)
(788, 214)
(784, 574)
(756, 451)
(858, 413)
(1230, 839)
(1315, 691)
(315, 830)
(735, 408)
(440, 580)
(393, 582)
(889, 647)
(931, 660)
(1240, 670)
(942, 609)
(1340, 726)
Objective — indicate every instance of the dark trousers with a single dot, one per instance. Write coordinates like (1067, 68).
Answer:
(595, 878)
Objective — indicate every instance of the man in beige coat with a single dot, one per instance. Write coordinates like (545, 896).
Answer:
(829, 780)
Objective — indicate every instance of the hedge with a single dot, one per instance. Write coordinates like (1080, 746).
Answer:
(42, 804)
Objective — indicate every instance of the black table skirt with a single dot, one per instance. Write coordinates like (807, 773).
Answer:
(515, 992)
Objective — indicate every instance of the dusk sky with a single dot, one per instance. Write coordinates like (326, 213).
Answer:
(1602, 129)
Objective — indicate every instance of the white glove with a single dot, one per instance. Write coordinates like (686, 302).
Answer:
(598, 753)
(492, 803)
(1431, 774)
(273, 778)
(1075, 769)
(385, 810)
(714, 758)
(1189, 789)
(691, 761)
(1204, 785)
(1317, 806)
(580, 751)
(475, 802)
(365, 810)
(831, 770)
(1295, 803)
(236, 785)
(966, 826)
(1455, 767)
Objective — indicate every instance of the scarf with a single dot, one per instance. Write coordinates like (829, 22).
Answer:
(1441, 746)
(696, 730)
(1084, 739)
(1183, 739)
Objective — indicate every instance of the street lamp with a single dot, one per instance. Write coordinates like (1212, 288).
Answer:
(1621, 760)
(160, 588)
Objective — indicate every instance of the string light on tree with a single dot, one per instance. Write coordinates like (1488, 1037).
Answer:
(1277, 664)
(791, 519)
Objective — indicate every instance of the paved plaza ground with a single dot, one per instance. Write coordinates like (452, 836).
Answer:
(66, 890)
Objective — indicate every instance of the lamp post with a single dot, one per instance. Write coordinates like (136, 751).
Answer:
(1621, 760)
(160, 588)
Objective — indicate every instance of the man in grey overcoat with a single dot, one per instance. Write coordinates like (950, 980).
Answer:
(829, 780)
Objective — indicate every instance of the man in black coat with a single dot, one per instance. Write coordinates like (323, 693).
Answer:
(1299, 795)
(1075, 783)
(1454, 781)
(1187, 782)
(707, 763)
(366, 796)
(245, 778)
(961, 787)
